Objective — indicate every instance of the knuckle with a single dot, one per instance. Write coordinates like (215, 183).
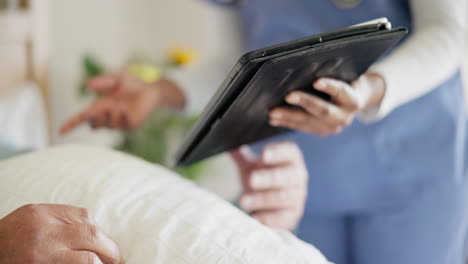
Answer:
(354, 105)
(340, 91)
(308, 103)
(32, 209)
(85, 215)
(35, 224)
(324, 111)
(92, 232)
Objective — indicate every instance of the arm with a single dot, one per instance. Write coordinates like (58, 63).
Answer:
(126, 102)
(430, 55)
(427, 58)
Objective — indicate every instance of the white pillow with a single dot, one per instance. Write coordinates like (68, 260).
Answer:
(154, 215)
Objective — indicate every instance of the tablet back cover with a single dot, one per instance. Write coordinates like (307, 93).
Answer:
(246, 119)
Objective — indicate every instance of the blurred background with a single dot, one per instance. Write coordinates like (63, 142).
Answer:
(47, 46)
(44, 45)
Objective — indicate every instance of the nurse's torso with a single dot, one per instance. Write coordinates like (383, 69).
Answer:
(367, 166)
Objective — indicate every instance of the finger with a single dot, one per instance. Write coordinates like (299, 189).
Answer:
(88, 115)
(89, 237)
(70, 214)
(73, 122)
(243, 156)
(280, 153)
(115, 118)
(77, 257)
(100, 117)
(341, 92)
(277, 177)
(301, 121)
(320, 108)
(273, 199)
(104, 83)
(125, 121)
(286, 219)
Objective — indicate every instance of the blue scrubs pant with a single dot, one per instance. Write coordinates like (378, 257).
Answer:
(427, 230)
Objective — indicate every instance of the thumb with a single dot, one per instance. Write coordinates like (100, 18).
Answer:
(104, 83)
(243, 157)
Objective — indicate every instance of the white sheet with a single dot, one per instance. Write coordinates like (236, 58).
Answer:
(23, 120)
(154, 216)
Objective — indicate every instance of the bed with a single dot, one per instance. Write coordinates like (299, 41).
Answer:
(154, 215)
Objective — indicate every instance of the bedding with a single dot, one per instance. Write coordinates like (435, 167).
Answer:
(154, 215)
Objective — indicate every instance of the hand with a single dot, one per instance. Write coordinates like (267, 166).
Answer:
(275, 184)
(324, 118)
(125, 102)
(54, 234)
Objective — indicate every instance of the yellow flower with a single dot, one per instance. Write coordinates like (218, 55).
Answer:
(145, 72)
(182, 56)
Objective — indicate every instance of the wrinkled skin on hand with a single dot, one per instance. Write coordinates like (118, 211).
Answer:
(40, 234)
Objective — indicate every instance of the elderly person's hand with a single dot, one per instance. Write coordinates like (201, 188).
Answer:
(125, 102)
(54, 234)
(323, 118)
(275, 184)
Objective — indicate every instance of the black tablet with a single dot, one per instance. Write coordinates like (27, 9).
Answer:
(238, 113)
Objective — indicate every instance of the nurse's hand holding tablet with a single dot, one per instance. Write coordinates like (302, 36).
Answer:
(322, 117)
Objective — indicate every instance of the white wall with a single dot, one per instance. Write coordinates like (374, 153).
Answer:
(116, 29)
